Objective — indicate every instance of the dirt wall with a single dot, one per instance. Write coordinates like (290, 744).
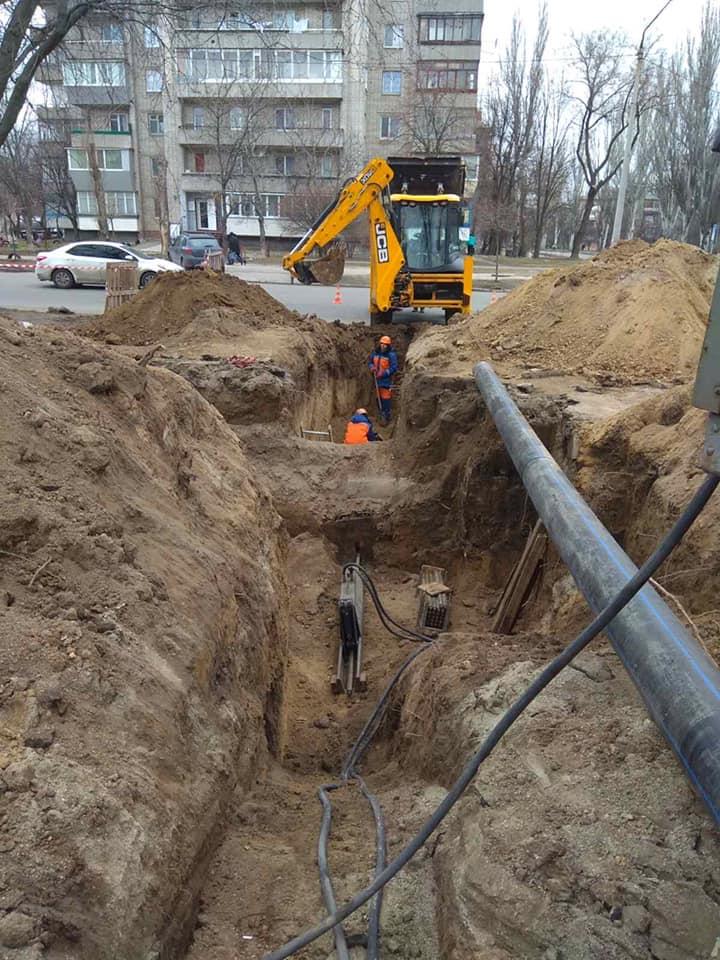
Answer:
(141, 646)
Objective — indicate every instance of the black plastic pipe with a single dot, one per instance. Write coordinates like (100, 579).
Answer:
(678, 681)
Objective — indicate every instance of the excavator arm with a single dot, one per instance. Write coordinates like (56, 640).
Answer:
(389, 276)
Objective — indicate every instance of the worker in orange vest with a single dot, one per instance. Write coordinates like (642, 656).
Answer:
(383, 365)
(360, 428)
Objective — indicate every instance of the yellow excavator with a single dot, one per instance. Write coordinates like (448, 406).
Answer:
(417, 255)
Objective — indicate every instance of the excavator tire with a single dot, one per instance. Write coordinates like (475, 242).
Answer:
(380, 316)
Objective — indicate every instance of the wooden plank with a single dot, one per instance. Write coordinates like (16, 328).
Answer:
(121, 283)
(216, 262)
(520, 580)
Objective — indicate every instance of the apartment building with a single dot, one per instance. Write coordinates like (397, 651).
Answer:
(252, 118)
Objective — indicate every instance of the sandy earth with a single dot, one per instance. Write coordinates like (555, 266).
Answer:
(186, 620)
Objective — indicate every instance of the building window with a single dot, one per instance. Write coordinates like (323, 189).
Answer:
(151, 38)
(198, 118)
(327, 118)
(392, 82)
(156, 124)
(154, 166)
(472, 167)
(106, 159)
(285, 119)
(214, 66)
(199, 162)
(117, 204)
(89, 73)
(153, 81)
(456, 28)
(111, 33)
(121, 204)
(285, 164)
(86, 204)
(237, 118)
(439, 75)
(327, 166)
(119, 123)
(389, 128)
(247, 204)
(328, 20)
(283, 19)
(394, 36)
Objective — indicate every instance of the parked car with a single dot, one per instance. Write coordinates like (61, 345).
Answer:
(191, 249)
(77, 264)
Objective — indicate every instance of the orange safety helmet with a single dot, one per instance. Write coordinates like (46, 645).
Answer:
(386, 340)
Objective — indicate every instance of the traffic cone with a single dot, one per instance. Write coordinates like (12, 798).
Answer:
(338, 295)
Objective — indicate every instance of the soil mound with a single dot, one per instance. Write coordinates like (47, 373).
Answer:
(141, 595)
(213, 303)
(635, 313)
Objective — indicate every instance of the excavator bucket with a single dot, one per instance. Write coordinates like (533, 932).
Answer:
(327, 269)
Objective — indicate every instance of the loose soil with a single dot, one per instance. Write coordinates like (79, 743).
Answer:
(635, 313)
(166, 714)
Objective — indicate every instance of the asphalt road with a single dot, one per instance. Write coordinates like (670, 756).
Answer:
(25, 292)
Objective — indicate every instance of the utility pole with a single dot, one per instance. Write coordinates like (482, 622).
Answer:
(633, 121)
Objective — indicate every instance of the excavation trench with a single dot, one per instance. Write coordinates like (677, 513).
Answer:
(523, 868)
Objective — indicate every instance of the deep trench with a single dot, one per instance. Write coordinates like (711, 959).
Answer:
(448, 495)
(308, 729)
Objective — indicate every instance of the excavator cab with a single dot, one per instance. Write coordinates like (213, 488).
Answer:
(429, 232)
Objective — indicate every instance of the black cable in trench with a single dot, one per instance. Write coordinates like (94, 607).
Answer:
(349, 772)
(622, 598)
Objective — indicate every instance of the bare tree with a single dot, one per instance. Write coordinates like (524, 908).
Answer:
(600, 93)
(21, 176)
(510, 111)
(685, 172)
(549, 159)
(435, 125)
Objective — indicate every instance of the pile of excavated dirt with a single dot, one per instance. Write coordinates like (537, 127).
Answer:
(634, 313)
(639, 469)
(207, 301)
(142, 644)
(297, 371)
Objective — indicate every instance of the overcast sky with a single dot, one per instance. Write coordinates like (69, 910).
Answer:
(577, 16)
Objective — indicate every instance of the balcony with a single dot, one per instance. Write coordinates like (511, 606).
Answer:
(269, 89)
(318, 137)
(113, 139)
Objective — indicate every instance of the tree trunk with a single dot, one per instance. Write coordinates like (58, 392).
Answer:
(96, 174)
(582, 226)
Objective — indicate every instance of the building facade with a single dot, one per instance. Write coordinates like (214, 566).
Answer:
(249, 120)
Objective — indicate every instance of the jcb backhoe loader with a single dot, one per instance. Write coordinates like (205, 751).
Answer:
(417, 258)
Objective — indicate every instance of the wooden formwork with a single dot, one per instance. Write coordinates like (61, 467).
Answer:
(216, 262)
(121, 283)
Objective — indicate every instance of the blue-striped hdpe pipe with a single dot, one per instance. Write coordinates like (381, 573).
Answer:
(678, 681)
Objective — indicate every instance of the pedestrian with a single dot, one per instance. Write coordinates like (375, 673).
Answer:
(360, 428)
(383, 365)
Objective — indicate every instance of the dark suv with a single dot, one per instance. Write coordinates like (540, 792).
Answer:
(191, 249)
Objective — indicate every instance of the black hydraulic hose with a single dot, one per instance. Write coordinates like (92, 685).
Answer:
(373, 936)
(373, 721)
(349, 772)
(326, 884)
(392, 626)
(658, 557)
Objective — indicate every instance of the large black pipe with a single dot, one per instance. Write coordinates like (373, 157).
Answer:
(678, 681)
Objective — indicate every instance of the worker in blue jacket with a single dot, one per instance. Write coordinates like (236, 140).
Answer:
(383, 365)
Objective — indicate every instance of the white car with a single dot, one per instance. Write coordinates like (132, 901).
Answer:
(81, 263)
